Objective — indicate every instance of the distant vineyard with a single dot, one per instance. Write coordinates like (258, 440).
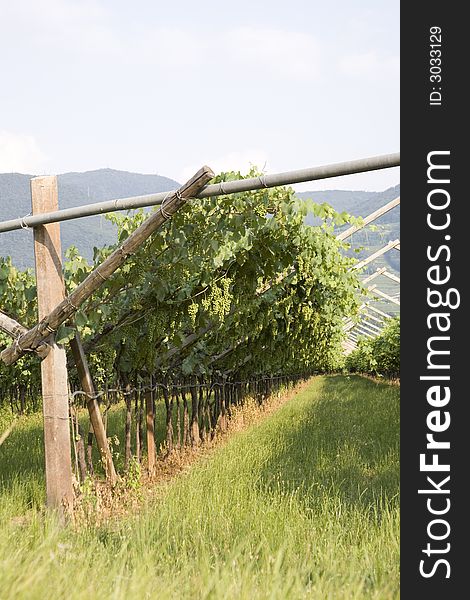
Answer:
(378, 356)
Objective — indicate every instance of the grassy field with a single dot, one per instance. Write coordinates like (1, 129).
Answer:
(302, 504)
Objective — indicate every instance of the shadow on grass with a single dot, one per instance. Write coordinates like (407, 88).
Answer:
(22, 454)
(343, 443)
(22, 462)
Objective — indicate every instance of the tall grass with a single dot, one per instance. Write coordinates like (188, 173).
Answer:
(303, 504)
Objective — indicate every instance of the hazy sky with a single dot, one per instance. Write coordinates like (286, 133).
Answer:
(164, 87)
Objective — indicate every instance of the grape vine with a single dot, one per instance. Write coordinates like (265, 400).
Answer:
(231, 284)
(378, 356)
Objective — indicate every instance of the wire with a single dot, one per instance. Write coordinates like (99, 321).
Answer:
(172, 387)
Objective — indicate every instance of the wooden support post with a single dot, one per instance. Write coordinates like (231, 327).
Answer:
(372, 326)
(188, 341)
(363, 327)
(378, 311)
(195, 410)
(362, 332)
(393, 244)
(391, 276)
(373, 276)
(50, 290)
(378, 292)
(151, 449)
(14, 329)
(10, 326)
(369, 219)
(93, 407)
(374, 318)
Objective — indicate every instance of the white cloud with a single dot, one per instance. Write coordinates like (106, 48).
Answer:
(20, 153)
(258, 51)
(68, 25)
(166, 48)
(369, 64)
(87, 28)
(287, 53)
(233, 161)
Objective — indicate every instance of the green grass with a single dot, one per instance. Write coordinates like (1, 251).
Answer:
(22, 454)
(303, 504)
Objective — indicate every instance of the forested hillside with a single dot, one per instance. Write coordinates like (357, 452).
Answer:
(75, 189)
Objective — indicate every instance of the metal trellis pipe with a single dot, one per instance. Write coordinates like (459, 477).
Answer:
(361, 165)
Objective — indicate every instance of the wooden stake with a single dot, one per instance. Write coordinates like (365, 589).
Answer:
(93, 407)
(128, 427)
(151, 450)
(50, 290)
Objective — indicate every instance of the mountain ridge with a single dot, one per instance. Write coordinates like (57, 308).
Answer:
(80, 188)
(75, 189)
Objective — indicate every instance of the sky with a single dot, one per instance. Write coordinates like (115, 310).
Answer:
(164, 87)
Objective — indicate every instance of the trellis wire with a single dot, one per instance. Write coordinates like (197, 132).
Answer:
(175, 387)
